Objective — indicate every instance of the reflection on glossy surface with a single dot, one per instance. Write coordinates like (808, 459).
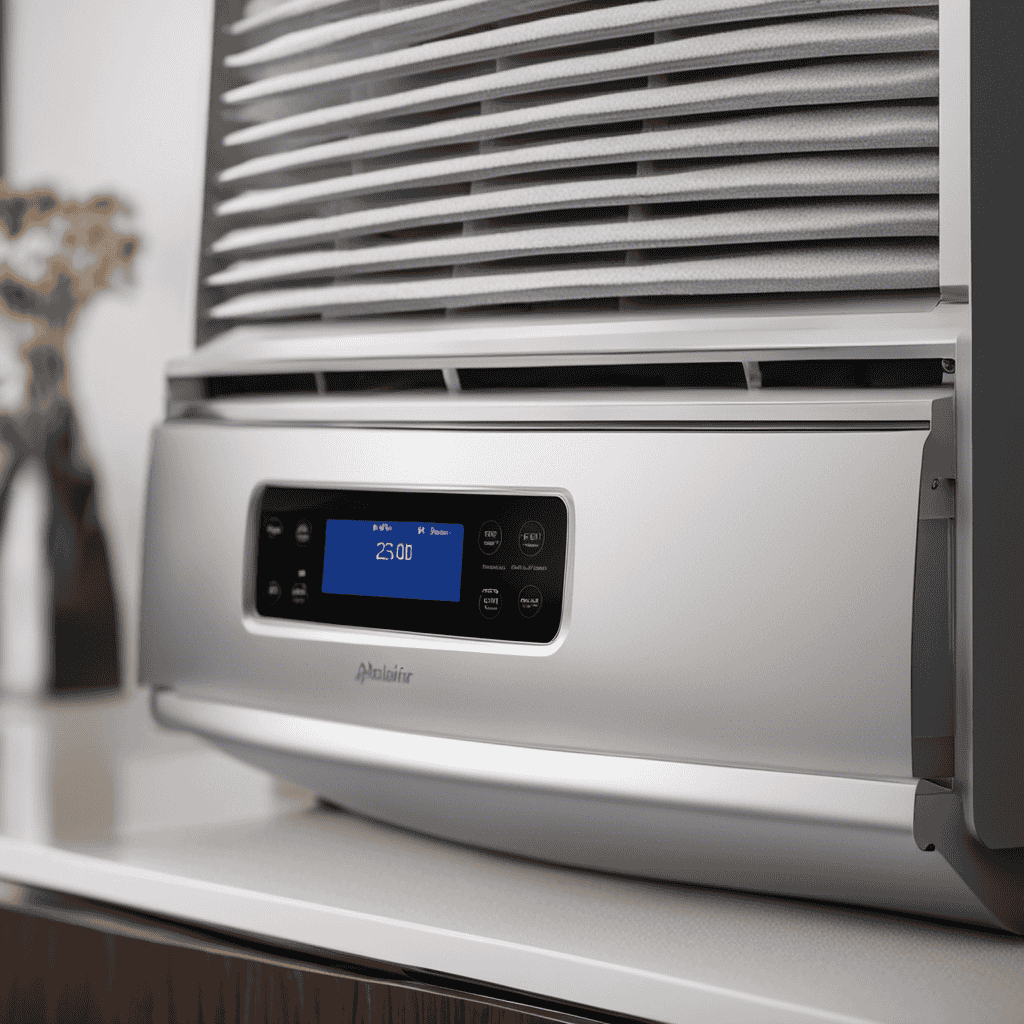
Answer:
(93, 770)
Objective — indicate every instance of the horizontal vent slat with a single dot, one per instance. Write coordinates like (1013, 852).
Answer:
(781, 178)
(835, 128)
(853, 81)
(909, 217)
(561, 30)
(282, 11)
(273, 15)
(816, 269)
(405, 26)
(826, 37)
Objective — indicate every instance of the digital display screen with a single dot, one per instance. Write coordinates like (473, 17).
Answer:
(378, 558)
(485, 566)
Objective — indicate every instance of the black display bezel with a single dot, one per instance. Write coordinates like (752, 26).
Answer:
(510, 569)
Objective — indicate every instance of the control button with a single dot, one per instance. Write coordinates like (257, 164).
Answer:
(299, 593)
(302, 533)
(490, 602)
(273, 529)
(531, 538)
(490, 537)
(273, 592)
(530, 601)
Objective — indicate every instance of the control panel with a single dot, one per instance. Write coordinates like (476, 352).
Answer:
(490, 566)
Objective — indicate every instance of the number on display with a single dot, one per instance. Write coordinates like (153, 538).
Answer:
(387, 551)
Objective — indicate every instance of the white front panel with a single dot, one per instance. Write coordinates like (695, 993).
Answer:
(733, 597)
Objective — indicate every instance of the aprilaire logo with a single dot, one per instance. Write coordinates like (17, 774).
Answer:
(383, 674)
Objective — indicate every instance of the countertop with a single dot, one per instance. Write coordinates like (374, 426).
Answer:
(99, 802)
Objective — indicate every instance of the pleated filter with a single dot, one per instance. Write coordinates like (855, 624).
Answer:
(378, 157)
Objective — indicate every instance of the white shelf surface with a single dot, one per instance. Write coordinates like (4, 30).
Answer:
(98, 802)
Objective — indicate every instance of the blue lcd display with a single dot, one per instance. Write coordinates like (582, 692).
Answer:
(377, 558)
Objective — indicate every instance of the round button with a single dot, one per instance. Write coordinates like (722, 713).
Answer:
(273, 529)
(299, 593)
(490, 602)
(490, 537)
(273, 592)
(531, 538)
(302, 533)
(530, 601)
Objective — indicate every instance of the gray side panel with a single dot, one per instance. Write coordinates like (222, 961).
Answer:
(994, 703)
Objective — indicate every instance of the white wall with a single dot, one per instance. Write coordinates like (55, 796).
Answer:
(110, 96)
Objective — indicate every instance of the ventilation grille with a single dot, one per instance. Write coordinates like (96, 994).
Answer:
(329, 383)
(815, 374)
(378, 157)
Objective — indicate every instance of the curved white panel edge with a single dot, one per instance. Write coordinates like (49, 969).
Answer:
(780, 796)
(837, 838)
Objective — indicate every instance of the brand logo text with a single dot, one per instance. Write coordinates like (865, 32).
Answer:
(382, 673)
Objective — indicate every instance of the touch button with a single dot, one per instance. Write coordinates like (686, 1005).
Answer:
(490, 602)
(490, 537)
(530, 601)
(531, 538)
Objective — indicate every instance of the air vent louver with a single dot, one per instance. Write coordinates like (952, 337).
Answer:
(618, 377)
(410, 157)
(237, 385)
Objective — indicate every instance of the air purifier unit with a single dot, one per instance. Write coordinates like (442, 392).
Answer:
(576, 460)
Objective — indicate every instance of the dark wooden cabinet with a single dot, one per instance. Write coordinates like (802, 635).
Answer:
(69, 961)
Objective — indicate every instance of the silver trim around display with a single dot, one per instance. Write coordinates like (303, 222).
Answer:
(327, 632)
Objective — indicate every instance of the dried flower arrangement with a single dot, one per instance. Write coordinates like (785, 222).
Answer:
(54, 256)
